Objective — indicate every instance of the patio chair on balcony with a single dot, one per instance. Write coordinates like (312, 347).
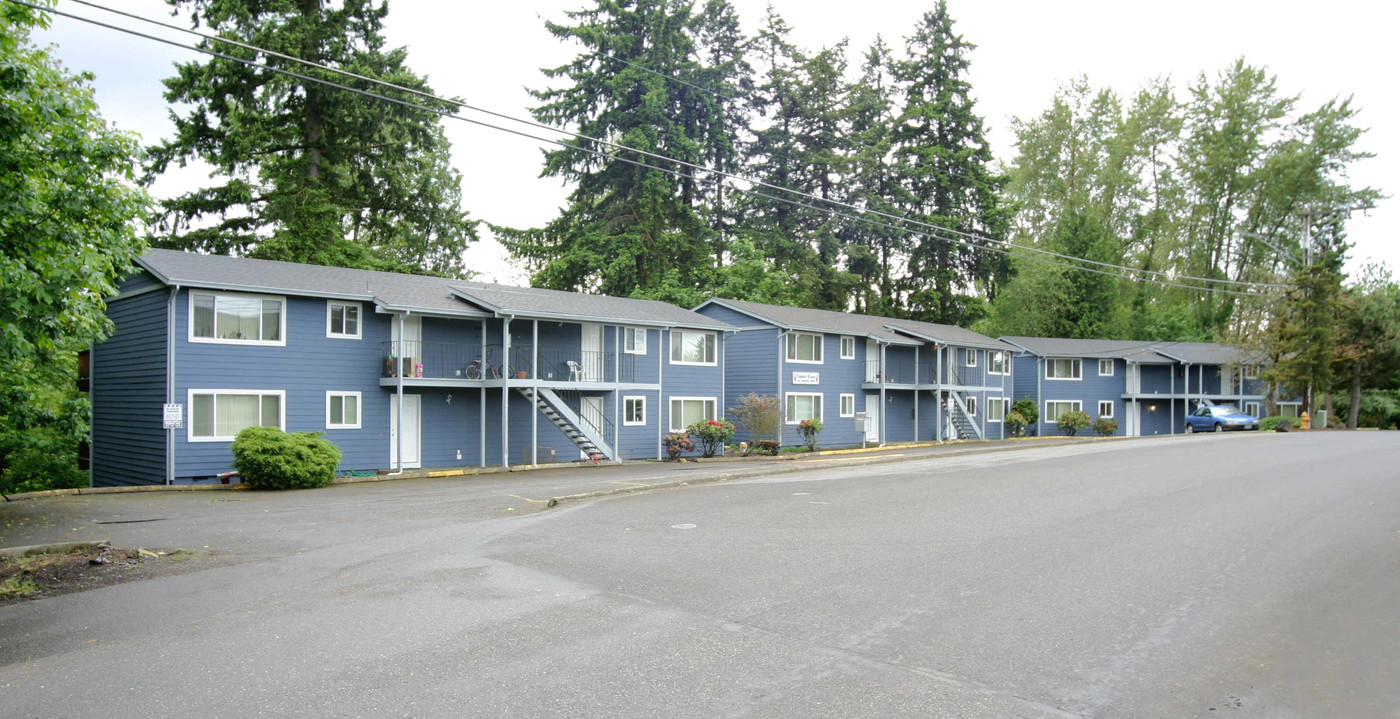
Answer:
(575, 372)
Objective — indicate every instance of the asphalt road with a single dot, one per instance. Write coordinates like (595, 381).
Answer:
(1214, 576)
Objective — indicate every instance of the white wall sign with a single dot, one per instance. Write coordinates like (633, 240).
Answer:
(806, 377)
(174, 416)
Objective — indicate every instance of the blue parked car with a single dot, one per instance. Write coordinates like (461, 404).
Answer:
(1218, 418)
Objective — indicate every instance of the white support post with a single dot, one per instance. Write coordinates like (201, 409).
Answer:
(883, 414)
(535, 382)
(916, 394)
(505, 393)
(484, 370)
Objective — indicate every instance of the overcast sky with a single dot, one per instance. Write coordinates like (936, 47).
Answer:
(488, 52)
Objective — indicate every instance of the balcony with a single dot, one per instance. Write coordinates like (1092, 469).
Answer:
(470, 362)
(895, 372)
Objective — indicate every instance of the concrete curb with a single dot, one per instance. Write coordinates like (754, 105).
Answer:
(980, 447)
(123, 490)
(55, 548)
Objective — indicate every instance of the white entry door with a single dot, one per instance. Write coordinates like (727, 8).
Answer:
(1133, 410)
(872, 409)
(591, 412)
(412, 437)
(592, 353)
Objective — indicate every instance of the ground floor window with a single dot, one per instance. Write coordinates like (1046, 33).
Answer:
(1106, 408)
(1056, 407)
(1288, 410)
(996, 409)
(686, 411)
(848, 405)
(218, 415)
(342, 410)
(634, 411)
(1251, 408)
(804, 405)
(972, 406)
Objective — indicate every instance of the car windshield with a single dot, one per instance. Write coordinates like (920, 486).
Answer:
(1225, 409)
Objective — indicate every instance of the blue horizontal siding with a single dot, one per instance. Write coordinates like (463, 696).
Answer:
(129, 390)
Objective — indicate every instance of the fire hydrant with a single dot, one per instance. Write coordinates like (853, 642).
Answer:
(1306, 420)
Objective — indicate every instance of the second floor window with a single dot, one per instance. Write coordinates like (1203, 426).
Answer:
(1105, 368)
(1062, 369)
(804, 347)
(692, 347)
(236, 319)
(634, 341)
(971, 358)
(848, 348)
(996, 362)
(343, 320)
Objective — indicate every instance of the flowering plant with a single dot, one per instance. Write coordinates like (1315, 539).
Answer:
(1072, 421)
(810, 428)
(1016, 423)
(711, 434)
(675, 443)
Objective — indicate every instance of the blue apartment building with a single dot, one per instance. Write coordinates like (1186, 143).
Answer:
(399, 371)
(868, 379)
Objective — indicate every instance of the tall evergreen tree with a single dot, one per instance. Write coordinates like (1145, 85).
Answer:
(626, 226)
(873, 249)
(945, 163)
(306, 172)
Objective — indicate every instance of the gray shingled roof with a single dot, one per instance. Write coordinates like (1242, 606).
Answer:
(1103, 349)
(1202, 352)
(949, 334)
(412, 292)
(827, 321)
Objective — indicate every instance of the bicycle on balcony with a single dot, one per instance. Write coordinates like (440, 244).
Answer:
(479, 370)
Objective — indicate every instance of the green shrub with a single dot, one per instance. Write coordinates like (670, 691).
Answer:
(268, 458)
(1026, 407)
(809, 429)
(1072, 421)
(1268, 424)
(711, 435)
(1016, 423)
(676, 443)
(1106, 426)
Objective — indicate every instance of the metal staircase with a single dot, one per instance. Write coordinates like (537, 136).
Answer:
(962, 423)
(587, 437)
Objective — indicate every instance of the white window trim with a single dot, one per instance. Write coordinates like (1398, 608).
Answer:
(671, 420)
(1251, 368)
(672, 354)
(1258, 407)
(634, 398)
(1108, 402)
(991, 367)
(819, 343)
(189, 410)
(844, 340)
(1110, 371)
(969, 357)
(841, 407)
(1048, 360)
(787, 402)
(359, 409)
(971, 406)
(359, 320)
(189, 320)
(1000, 401)
(1045, 417)
(636, 332)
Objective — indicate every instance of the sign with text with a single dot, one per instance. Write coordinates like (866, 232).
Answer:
(806, 378)
(174, 416)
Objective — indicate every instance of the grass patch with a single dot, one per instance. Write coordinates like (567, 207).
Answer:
(18, 586)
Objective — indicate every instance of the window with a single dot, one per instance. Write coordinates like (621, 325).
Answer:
(996, 364)
(1106, 408)
(804, 347)
(804, 405)
(996, 409)
(1105, 368)
(848, 348)
(1055, 408)
(1288, 410)
(692, 347)
(1062, 369)
(971, 357)
(848, 405)
(634, 341)
(972, 406)
(1251, 371)
(1251, 408)
(634, 411)
(686, 411)
(343, 320)
(342, 410)
(237, 319)
(218, 415)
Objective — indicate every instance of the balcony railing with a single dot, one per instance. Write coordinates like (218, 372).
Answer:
(895, 372)
(453, 360)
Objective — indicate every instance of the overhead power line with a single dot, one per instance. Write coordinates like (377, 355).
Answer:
(981, 242)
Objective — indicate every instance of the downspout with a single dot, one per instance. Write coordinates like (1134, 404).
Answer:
(938, 433)
(1039, 395)
(505, 392)
(398, 409)
(1005, 370)
(484, 370)
(722, 386)
(884, 430)
(1171, 403)
(663, 345)
(535, 384)
(169, 391)
(617, 379)
(782, 396)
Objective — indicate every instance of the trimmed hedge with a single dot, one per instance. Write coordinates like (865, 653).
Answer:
(268, 458)
(1275, 424)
